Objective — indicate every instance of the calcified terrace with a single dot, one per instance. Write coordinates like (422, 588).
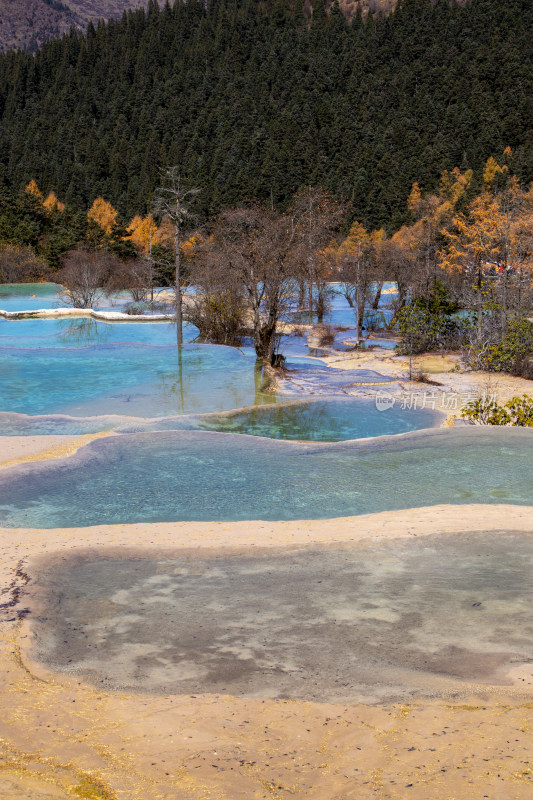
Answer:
(197, 475)
(150, 652)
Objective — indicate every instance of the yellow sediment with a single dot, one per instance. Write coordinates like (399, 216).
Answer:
(66, 447)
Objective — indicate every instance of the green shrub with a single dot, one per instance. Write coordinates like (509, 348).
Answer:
(512, 352)
(518, 411)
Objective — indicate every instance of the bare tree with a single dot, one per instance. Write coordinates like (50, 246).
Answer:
(316, 217)
(396, 261)
(18, 264)
(358, 271)
(173, 200)
(251, 253)
(85, 274)
(135, 275)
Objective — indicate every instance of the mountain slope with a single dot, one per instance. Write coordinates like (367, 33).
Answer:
(91, 10)
(28, 23)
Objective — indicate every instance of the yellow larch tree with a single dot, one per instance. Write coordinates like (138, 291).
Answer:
(190, 246)
(492, 171)
(166, 233)
(493, 238)
(103, 214)
(475, 238)
(487, 232)
(144, 233)
(52, 203)
(33, 189)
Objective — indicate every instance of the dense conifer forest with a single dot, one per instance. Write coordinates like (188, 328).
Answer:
(256, 101)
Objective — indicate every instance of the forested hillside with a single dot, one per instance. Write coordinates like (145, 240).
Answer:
(254, 102)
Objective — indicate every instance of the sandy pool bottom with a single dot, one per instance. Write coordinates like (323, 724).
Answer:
(61, 736)
(392, 622)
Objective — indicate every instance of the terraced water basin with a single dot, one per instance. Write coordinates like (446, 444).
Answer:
(193, 475)
(128, 379)
(29, 296)
(82, 332)
(426, 617)
(34, 296)
(319, 420)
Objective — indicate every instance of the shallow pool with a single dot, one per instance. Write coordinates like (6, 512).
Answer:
(327, 420)
(190, 475)
(85, 331)
(30, 296)
(12, 424)
(128, 379)
(428, 617)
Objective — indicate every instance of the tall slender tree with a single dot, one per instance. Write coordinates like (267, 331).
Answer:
(172, 200)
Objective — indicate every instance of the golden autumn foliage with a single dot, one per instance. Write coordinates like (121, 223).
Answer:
(474, 238)
(408, 237)
(497, 226)
(167, 233)
(103, 214)
(452, 187)
(415, 198)
(189, 248)
(491, 171)
(359, 238)
(144, 232)
(33, 189)
(436, 209)
(52, 203)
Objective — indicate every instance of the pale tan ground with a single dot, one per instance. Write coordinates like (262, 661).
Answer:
(60, 738)
(437, 367)
(20, 449)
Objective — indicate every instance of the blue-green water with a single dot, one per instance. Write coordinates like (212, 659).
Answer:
(83, 332)
(29, 296)
(319, 420)
(325, 420)
(32, 296)
(338, 311)
(56, 424)
(149, 380)
(210, 476)
(128, 379)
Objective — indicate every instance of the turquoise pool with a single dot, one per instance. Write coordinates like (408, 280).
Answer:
(156, 477)
(52, 424)
(321, 420)
(128, 379)
(83, 332)
(29, 296)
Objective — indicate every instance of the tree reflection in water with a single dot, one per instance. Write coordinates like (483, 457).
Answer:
(82, 332)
